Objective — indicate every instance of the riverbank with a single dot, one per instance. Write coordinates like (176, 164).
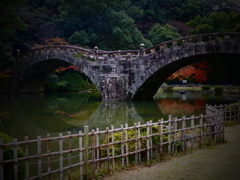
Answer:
(194, 88)
(217, 162)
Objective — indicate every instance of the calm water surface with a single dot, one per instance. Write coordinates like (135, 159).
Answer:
(39, 114)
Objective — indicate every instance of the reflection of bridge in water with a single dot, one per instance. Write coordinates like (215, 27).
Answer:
(128, 74)
(114, 113)
(34, 114)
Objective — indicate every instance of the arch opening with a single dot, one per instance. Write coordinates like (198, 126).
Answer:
(151, 85)
(54, 75)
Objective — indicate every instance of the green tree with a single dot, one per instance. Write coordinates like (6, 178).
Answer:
(10, 22)
(80, 37)
(215, 22)
(158, 33)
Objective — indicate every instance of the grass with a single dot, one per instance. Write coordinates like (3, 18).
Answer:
(228, 88)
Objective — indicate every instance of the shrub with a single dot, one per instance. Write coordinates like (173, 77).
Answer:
(8, 154)
(206, 87)
(131, 135)
(218, 89)
(164, 86)
(169, 89)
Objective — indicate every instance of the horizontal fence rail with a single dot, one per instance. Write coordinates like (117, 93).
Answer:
(94, 150)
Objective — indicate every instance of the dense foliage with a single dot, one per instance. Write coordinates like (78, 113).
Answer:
(192, 73)
(67, 79)
(8, 154)
(108, 24)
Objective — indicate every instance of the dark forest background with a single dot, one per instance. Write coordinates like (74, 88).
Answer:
(113, 25)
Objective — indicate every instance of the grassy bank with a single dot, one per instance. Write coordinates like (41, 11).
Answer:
(218, 162)
(199, 88)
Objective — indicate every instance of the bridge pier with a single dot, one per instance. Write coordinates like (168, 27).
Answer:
(114, 88)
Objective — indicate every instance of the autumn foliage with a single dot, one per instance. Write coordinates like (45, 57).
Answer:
(52, 41)
(180, 107)
(65, 68)
(195, 72)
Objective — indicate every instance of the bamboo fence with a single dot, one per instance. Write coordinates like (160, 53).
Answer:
(88, 151)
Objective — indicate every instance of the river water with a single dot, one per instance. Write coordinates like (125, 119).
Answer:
(35, 115)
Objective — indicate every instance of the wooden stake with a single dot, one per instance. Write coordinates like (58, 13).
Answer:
(60, 156)
(135, 143)
(113, 150)
(39, 158)
(81, 154)
(126, 138)
(93, 154)
(139, 142)
(69, 154)
(86, 151)
(192, 132)
(169, 134)
(122, 145)
(26, 154)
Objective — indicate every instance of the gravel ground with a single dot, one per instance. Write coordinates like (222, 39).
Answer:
(219, 162)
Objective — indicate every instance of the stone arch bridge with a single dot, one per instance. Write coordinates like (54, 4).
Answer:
(123, 74)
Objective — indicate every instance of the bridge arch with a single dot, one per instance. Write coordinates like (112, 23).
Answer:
(128, 74)
(151, 85)
(34, 67)
(166, 60)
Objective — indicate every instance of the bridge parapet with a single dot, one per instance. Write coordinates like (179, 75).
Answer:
(100, 55)
(88, 54)
(196, 39)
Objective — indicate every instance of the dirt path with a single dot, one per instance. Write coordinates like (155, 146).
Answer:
(219, 162)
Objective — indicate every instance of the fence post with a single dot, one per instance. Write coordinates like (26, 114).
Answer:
(69, 154)
(113, 150)
(108, 152)
(215, 128)
(122, 145)
(93, 154)
(222, 121)
(169, 133)
(201, 130)
(192, 131)
(49, 158)
(139, 142)
(150, 139)
(160, 136)
(60, 156)
(147, 142)
(80, 154)
(15, 158)
(225, 113)
(135, 143)
(126, 137)
(26, 154)
(98, 149)
(86, 151)
(1, 159)
(220, 126)
(175, 134)
(183, 133)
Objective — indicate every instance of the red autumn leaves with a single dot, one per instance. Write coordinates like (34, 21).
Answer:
(196, 72)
